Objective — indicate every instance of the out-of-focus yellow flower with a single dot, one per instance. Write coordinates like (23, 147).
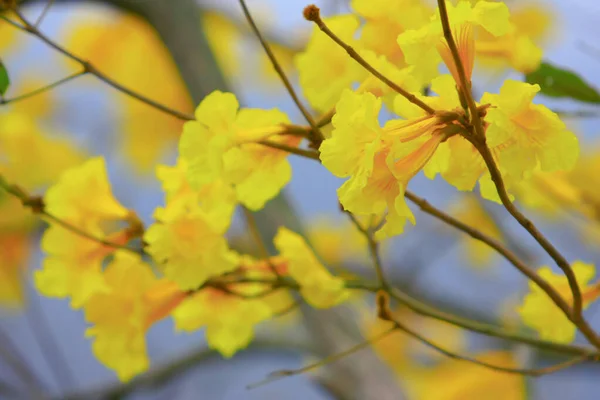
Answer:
(220, 144)
(470, 211)
(325, 69)
(229, 319)
(540, 313)
(83, 194)
(23, 144)
(83, 198)
(528, 135)
(133, 301)
(73, 264)
(318, 287)
(558, 193)
(14, 256)
(224, 37)
(336, 241)
(458, 380)
(16, 224)
(385, 20)
(420, 45)
(188, 244)
(407, 356)
(533, 22)
(117, 46)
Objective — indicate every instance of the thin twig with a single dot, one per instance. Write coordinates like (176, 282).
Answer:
(36, 204)
(497, 368)
(312, 13)
(43, 89)
(293, 150)
(44, 13)
(318, 136)
(91, 69)
(321, 363)
(373, 250)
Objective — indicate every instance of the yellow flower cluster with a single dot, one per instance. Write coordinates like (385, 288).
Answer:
(232, 156)
(380, 161)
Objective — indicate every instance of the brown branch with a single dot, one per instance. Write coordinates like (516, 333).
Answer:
(91, 69)
(317, 135)
(312, 13)
(36, 204)
(43, 89)
(479, 141)
(44, 12)
(293, 150)
(497, 368)
(373, 250)
(425, 310)
(426, 207)
(328, 360)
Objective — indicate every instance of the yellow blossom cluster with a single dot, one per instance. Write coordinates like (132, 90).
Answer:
(126, 277)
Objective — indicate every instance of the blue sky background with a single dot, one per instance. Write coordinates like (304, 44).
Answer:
(313, 193)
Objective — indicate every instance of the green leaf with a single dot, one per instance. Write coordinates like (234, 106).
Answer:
(4, 79)
(558, 82)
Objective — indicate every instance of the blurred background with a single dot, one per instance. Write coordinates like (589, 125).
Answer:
(179, 51)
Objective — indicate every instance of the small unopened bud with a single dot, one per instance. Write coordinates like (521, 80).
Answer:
(312, 13)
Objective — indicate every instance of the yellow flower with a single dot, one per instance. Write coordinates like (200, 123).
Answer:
(217, 199)
(116, 45)
(23, 144)
(519, 48)
(379, 161)
(324, 68)
(528, 134)
(220, 145)
(229, 319)
(471, 212)
(318, 287)
(188, 244)
(83, 193)
(540, 313)
(385, 20)
(73, 264)
(420, 46)
(133, 301)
